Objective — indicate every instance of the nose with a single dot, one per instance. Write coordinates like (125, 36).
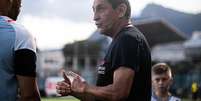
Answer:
(96, 17)
(160, 82)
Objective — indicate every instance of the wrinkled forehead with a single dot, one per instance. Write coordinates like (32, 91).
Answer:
(100, 2)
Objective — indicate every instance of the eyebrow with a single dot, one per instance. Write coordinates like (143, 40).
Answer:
(99, 5)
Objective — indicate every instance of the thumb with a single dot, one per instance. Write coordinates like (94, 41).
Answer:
(66, 79)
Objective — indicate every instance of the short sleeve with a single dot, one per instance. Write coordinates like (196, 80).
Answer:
(24, 40)
(25, 52)
(126, 53)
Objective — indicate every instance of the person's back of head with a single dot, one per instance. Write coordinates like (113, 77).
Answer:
(116, 3)
(10, 8)
(15, 9)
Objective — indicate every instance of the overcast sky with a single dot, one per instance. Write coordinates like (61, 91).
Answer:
(57, 22)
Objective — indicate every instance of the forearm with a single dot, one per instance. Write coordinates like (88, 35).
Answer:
(28, 89)
(34, 96)
(92, 92)
(83, 97)
(106, 93)
(117, 91)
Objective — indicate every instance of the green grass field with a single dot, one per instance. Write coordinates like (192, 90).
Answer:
(74, 99)
(60, 99)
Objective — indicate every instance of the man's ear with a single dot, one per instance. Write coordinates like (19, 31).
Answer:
(121, 10)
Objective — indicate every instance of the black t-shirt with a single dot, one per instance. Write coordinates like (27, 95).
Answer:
(129, 49)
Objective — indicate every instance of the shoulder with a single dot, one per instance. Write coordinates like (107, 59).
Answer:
(128, 38)
(5, 24)
(21, 31)
(23, 38)
(173, 98)
(127, 35)
(153, 99)
(131, 37)
(132, 33)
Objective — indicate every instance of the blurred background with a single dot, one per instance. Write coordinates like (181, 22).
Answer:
(67, 39)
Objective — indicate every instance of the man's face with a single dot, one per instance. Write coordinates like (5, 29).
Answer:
(105, 16)
(161, 83)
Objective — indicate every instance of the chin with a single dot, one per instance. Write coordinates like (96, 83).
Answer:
(163, 90)
(103, 32)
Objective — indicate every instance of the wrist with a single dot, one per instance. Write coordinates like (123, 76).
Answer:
(86, 88)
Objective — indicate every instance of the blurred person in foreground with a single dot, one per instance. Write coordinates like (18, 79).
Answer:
(17, 56)
(125, 74)
(161, 81)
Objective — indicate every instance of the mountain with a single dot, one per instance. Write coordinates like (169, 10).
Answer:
(187, 23)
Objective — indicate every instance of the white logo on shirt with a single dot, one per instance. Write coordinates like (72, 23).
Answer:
(101, 70)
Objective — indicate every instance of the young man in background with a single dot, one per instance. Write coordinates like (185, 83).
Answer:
(161, 81)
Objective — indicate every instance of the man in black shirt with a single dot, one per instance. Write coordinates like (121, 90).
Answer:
(125, 74)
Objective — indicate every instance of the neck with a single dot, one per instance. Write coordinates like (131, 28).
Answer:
(118, 26)
(162, 95)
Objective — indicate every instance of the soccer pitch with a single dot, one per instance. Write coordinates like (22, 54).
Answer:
(60, 99)
(74, 99)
